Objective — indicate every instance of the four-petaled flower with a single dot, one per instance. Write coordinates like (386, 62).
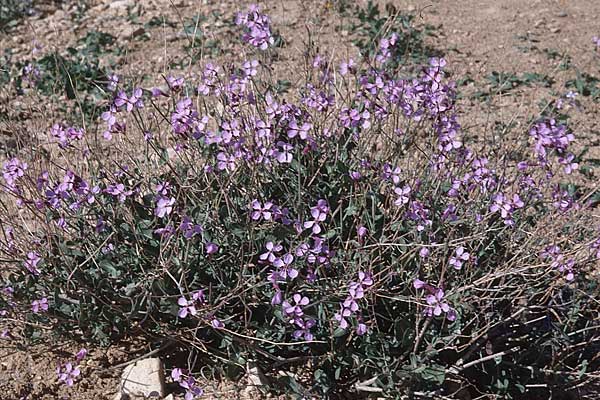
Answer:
(319, 214)
(40, 305)
(459, 258)
(261, 211)
(164, 206)
(68, 373)
(189, 306)
(295, 310)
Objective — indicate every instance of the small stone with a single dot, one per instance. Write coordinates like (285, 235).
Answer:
(255, 375)
(119, 4)
(132, 32)
(59, 15)
(555, 30)
(144, 378)
(562, 14)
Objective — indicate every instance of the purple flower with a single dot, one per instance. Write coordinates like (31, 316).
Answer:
(436, 305)
(164, 206)
(567, 161)
(559, 262)
(113, 82)
(165, 232)
(419, 284)
(270, 254)
(186, 382)
(261, 211)
(361, 232)
(295, 310)
(277, 298)
(257, 27)
(356, 291)
(319, 214)
(33, 259)
(177, 374)
(118, 190)
(68, 373)
(65, 135)
(550, 136)
(217, 324)
(39, 305)
(190, 229)
(304, 329)
(189, 306)
(12, 171)
(361, 329)
(460, 256)
(283, 153)
(250, 68)
(211, 248)
(341, 317)
(351, 118)
(175, 84)
(298, 130)
(403, 195)
(346, 67)
(506, 206)
(365, 279)
(81, 354)
(225, 162)
(355, 175)
(284, 266)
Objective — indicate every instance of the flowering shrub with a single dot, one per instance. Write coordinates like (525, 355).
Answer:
(347, 228)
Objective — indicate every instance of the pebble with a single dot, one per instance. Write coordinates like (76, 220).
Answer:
(143, 378)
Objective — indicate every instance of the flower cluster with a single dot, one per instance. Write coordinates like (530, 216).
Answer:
(122, 101)
(69, 372)
(187, 382)
(295, 315)
(436, 304)
(506, 206)
(549, 136)
(188, 307)
(266, 202)
(559, 262)
(66, 134)
(350, 307)
(258, 29)
(12, 171)
(185, 120)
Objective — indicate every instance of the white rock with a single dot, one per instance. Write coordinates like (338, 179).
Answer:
(144, 378)
(256, 379)
(255, 375)
(120, 4)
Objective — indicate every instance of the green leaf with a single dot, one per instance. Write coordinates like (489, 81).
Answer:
(434, 374)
